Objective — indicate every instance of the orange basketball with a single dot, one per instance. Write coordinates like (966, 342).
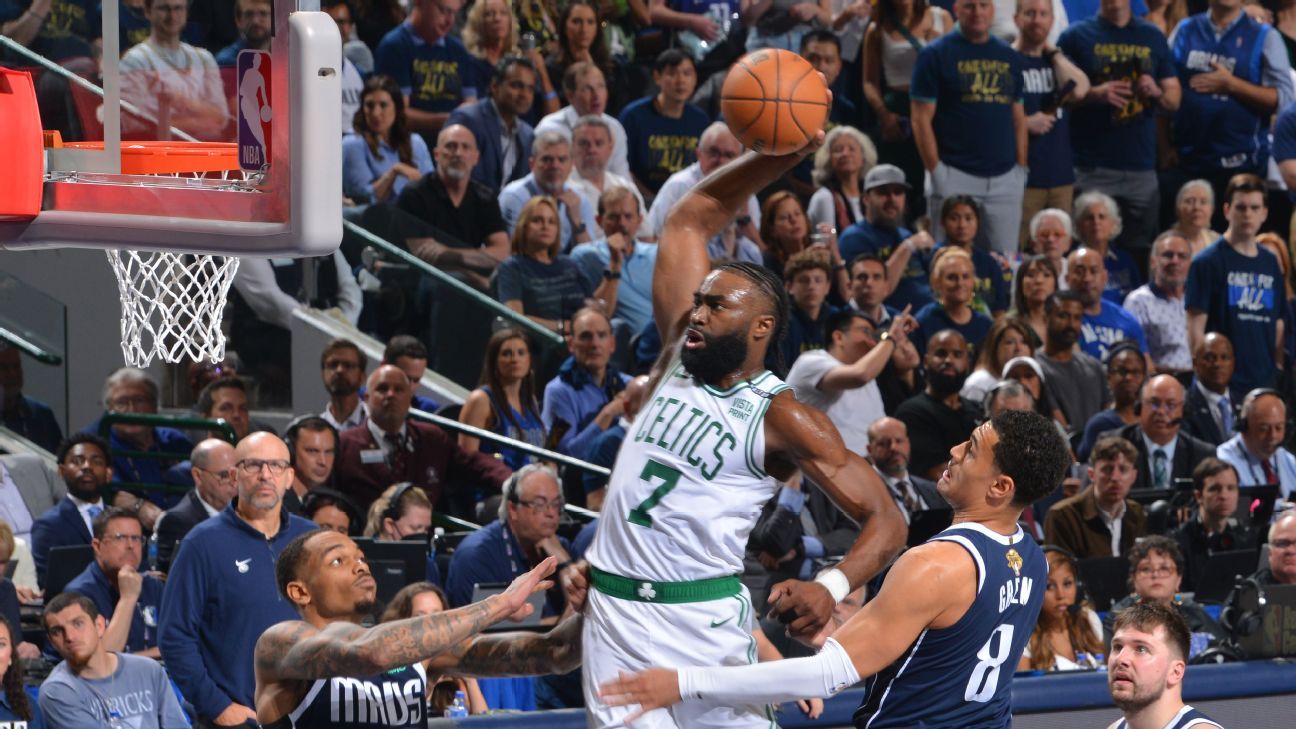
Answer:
(774, 101)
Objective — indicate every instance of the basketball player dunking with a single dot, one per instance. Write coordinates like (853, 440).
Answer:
(944, 634)
(327, 671)
(706, 452)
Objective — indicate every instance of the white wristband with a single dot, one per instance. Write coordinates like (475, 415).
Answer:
(836, 582)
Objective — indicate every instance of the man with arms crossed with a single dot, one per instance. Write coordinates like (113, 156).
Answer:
(1145, 670)
(706, 452)
(326, 671)
(947, 628)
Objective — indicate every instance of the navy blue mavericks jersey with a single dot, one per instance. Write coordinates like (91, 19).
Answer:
(958, 676)
(397, 698)
(1187, 718)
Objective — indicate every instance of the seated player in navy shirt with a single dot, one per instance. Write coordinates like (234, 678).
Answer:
(953, 280)
(881, 233)
(1113, 131)
(1235, 288)
(961, 218)
(435, 72)
(1105, 323)
(969, 123)
(662, 131)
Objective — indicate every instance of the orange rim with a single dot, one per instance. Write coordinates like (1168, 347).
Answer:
(170, 158)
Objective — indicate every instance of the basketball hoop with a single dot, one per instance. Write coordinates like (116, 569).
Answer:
(172, 302)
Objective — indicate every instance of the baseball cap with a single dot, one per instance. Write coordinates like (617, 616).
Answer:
(884, 174)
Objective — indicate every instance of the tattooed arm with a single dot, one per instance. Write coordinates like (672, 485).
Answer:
(297, 650)
(515, 654)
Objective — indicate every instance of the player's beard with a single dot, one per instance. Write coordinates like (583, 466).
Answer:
(722, 355)
(1142, 698)
(366, 607)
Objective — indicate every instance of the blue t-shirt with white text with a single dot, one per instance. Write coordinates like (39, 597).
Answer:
(1242, 299)
(1111, 325)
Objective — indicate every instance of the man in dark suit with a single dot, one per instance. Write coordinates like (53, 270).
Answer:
(1164, 453)
(888, 449)
(212, 469)
(512, 90)
(1211, 404)
(83, 464)
(390, 448)
(32, 419)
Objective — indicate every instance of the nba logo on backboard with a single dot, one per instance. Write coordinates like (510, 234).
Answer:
(254, 112)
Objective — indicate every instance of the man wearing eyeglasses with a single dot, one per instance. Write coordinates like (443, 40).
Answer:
(1281, 569)
(253, 19)
(1165, 453)
(128, 600)
(525, 534)
(130, 390)
(222, 594)
(212, 469)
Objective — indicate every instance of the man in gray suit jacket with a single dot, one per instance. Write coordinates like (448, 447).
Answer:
(38, 485)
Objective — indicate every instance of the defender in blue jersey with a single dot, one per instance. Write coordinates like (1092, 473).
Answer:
(1145, 670)
(944, 634)
(327, 671)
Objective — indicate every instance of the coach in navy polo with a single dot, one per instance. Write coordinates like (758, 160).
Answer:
(969, 122)
(1113, 130)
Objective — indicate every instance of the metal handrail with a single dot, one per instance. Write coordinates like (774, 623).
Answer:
(35, 350)
(476, 432)
(428, 269)
(49, 65)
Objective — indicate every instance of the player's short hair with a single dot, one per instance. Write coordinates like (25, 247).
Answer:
(1155, 544)
(343, 343)
(292, 560)
(1109, 448)
(1031, 452)
(1245, 182)
(77, 439)
(1210, 467)
(65, 600)
(1147, 615)
(207, 398)
(775, 294)
(403, 345)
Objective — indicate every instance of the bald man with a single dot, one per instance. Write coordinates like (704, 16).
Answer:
(212, 469)
(390, 448)
(222, 594)
(1256, 451)
(1105, 322)
(1165, 454)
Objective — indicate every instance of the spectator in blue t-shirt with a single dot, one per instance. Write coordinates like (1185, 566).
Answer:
(969, 122)
(1046, 71)
(1235, 287)
(662, 131)
(1113, 131)
(953, 279)
(1105, 323)
(961, 217)
(1098, 224)
(433, 68)
(1235, 76)
(881, 233)
(253, 18)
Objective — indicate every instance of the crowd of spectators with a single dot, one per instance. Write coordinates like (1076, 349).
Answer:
(958, 246)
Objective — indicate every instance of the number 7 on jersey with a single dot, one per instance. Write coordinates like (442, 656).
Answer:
(653, 470)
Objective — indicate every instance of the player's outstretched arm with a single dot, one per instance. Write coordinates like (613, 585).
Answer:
(297, 650)
(931, 586)
(682, 260)
(515, 654)
(808, 438)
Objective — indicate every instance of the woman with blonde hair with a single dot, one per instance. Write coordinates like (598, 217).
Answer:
(425, 598)
(540, 282)
(401, 511)
(490, 34)
(953, 282)
(1068, 635)
(839, 169)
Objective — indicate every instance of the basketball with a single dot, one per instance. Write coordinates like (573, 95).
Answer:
(266, 113)
(774, 101)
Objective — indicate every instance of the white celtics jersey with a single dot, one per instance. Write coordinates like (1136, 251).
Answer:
(689, 482)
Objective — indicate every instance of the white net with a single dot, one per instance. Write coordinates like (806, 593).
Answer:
(172, 304)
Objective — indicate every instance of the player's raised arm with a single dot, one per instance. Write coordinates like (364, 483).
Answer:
(515, 654)
(297, 650)
(682, 260)
(806, 437)
(931, 586)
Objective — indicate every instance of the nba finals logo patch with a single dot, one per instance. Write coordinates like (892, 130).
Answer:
(1014, 561)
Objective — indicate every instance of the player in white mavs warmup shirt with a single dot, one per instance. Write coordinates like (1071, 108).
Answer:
(326, 671)
(701, 460)
(945, 632)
